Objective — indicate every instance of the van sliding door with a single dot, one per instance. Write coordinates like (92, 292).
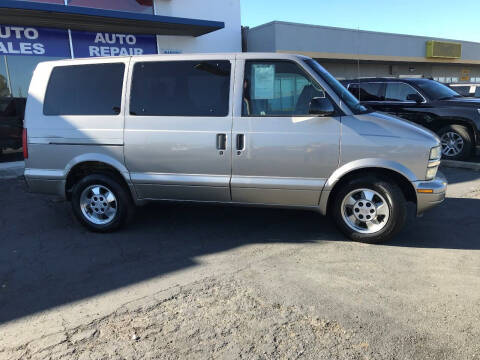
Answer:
(178, 128)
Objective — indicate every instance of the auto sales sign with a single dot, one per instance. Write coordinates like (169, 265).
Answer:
(33, 41)
(37, 41)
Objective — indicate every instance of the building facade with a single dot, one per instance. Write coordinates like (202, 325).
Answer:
(349, 53)
(32, 31)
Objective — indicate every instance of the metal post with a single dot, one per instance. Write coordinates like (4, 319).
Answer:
(70, 42)
(72, 55)
(156, 36)
(9, 83)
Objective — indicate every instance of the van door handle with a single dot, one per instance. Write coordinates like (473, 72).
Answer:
(240, 143)
(221, 142)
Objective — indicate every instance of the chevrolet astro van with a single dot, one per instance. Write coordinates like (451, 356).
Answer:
(259, 129)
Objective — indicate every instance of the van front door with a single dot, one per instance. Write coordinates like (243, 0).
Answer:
(281, 154)
(178, 128)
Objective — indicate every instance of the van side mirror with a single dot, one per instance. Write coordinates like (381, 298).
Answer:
(321, 106)
(415, 97)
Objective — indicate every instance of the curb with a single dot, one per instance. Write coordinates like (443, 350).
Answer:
(11, 170)
(461, 165)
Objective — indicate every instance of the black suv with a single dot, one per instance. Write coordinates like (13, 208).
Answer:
(454, 118)
(12, 111)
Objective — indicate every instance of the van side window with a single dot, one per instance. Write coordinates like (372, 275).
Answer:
(277, 88)
(94, 89)
(181, 88)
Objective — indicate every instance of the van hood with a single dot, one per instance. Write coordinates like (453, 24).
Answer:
(382, 124)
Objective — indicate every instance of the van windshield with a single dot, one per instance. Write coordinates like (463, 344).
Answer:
(345, 95)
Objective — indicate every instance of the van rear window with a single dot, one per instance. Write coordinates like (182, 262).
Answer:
(181, 88)
(85, 90)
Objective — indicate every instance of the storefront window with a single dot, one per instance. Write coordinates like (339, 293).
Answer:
(136, 6)
(4, 87)
(20, 71)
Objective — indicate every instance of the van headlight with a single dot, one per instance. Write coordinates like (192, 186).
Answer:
(434, 162)
(436, 153)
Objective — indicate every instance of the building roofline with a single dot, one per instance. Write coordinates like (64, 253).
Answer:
(93, 19)
(277, 22)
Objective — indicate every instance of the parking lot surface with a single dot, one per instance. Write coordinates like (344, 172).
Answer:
(203, 282)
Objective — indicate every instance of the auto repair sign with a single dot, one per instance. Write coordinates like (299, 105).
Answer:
(33, 41)
(93, 44)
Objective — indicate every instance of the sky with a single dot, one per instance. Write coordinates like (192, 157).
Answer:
(457, 20)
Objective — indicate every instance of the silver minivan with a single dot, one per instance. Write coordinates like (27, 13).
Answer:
(260, 129)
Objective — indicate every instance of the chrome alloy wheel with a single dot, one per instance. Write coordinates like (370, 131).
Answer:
(365, 211)
(452, 144)
(98, 204)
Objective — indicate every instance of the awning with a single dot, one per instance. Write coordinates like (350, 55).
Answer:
(27, 13)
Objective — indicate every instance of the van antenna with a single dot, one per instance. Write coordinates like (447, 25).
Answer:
(358, 62)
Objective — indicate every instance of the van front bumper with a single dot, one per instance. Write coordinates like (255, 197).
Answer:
(430, 193)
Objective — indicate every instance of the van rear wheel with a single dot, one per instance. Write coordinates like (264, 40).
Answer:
(370, 210)
(101, 203)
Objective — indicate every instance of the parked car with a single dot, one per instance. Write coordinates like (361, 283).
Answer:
(12, 111)
(466, 90)
(454, 118)
(108, 133)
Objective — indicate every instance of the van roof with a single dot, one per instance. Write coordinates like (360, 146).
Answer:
(193, 56)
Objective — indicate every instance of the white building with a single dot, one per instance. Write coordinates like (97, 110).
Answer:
(38, 30)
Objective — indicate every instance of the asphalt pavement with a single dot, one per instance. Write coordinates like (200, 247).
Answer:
(286, 277)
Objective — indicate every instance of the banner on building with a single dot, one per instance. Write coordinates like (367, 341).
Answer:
(34, 41)
(93, 44)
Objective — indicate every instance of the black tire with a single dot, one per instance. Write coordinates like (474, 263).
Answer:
(394, 198)
(466, 136)
(124, 204)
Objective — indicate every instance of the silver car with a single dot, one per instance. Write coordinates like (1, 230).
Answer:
(261, 129)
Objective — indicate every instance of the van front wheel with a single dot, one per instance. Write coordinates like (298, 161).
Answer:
(370, 210)
(101, 203)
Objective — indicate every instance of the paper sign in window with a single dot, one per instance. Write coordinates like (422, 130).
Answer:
(263, 81)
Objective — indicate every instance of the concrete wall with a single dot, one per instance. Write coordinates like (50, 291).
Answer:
(228, 39)
(380, 54)
(261, 39)
(349, 43)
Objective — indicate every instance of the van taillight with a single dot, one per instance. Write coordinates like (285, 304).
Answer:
(25, 144)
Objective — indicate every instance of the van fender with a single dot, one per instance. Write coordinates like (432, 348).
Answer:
(96, 157)
(369, 163)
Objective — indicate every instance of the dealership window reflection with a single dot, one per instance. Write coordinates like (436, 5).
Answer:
(16, 73)
(4, 87)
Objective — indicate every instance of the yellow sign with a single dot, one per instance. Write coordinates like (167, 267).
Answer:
(443, 49)
(465, 75)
